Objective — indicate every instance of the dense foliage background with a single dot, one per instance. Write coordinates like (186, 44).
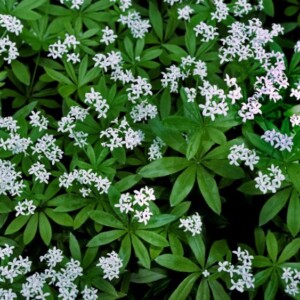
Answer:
(149, 149)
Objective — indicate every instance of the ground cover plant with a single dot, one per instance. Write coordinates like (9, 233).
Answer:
(149, 149)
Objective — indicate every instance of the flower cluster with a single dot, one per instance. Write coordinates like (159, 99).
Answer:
(134, 203)
(38, 120)
(25, 208)
(240, 153)
(295, 120)
(59, 49)
(85, 178)
(154, 151)
(241, 277)
(108, 36)
(207, 32)
(10, 48)
(185, 12)
(15, 143)
(39, 171)
(96, 100)
(68, 123)
(143, 111)
(111, 60)
(189, 66)
(278, 140)
(45, 146)
(74, 4)
(192, 224)
(11, 24)
(9, 179)
(271, 181)
(63, 279)
(110, 265)
(291, 278)
(120, 135)
(295, 92)
(138, 88)
(137, 26)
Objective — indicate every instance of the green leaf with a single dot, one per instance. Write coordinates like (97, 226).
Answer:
(289, 250)
(150, 54)
(30, 229)
(269, 7)
(45, 228)
(273, 206)
(6, 205)
(106, 219)
(272, 287)
(216, 135)
(89, 256)
(140, 251)
(105, 238)
(183, 185)
(194, 144)
(157, 221)
(163, 167)
(223, 168)
(217, 252)
(209, 189)
(180, 209)
(262, 276)
(272, 246)
(198, 248)
(178, 51)
(147, 276)
(294, 175)
(190, 40)
(59, 218)
(156, 19)
(175, 244)
(21, 72)
(125, 250)
(16, 224)
(185, 287)
(203, 292)
(58, 76)
(177, 263)
(293, 213)
(128, 182)
(217, 290)
(74, 247)
(260, 261)
(152, 238)
(260, 240)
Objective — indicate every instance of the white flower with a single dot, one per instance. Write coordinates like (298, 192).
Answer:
(9, 47)
(278, 140)
(89, 293)
(205, 273)
(154, 151)
(271, 181)
(39, 171)
(192, 223)
(38, 120)
(108, 36)
(241, 153)
(143, 216)
(295, 120)
(208, 32)
(73, 58)
(52, 257)
(9, 179)
(25, 208)
(143, 111)
(7, 251)
(185, 13)
(110, 265)
(125, 203)
(95, 100)
(11, 24)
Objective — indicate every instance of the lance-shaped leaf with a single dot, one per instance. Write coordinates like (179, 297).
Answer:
(177, 263)
(209, 189)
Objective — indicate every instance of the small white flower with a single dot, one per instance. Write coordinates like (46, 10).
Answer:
(110, 265)
(192, 223)
(108, 36)
(25, 208)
